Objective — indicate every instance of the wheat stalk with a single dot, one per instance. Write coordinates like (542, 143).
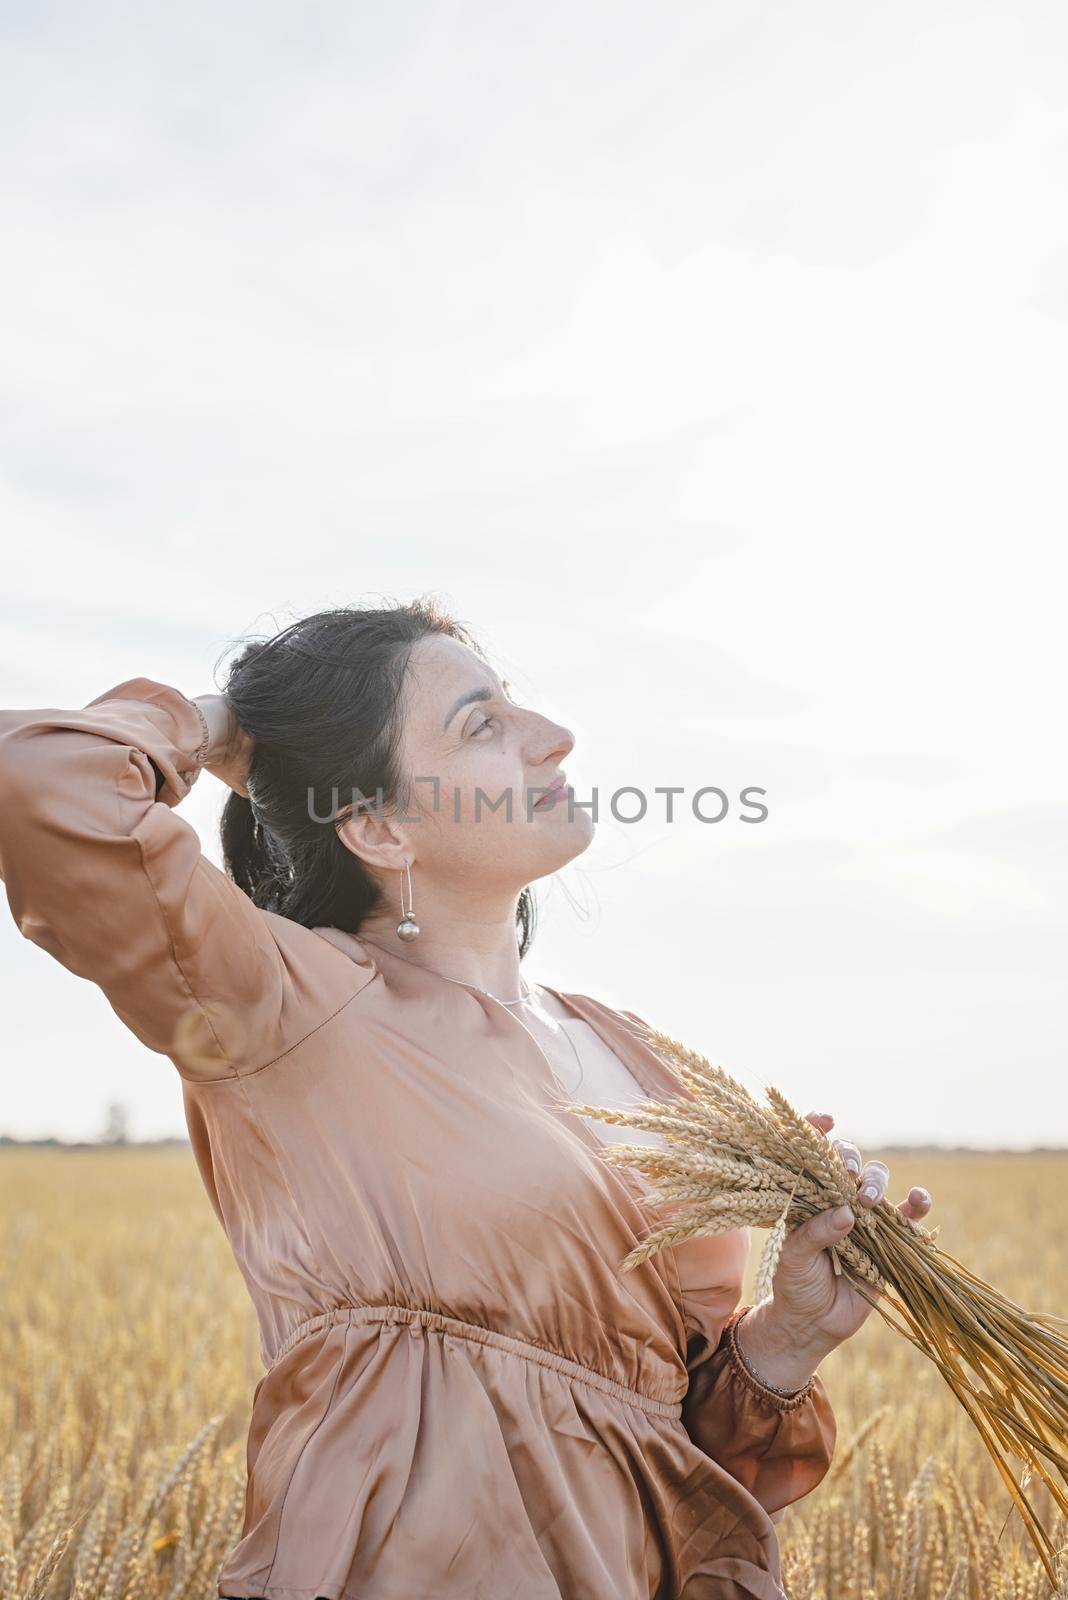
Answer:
(737, 1163)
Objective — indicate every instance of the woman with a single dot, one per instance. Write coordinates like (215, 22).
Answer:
(463, 1397)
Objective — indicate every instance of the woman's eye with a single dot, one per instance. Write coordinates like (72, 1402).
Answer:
(489, 721)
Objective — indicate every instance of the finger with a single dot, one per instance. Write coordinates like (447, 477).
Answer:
(818, 1233)
(916, 1204)
(874, 1181)
(821, 1120)
(850, 1155)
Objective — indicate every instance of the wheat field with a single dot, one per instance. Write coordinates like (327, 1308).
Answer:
(131, 1354)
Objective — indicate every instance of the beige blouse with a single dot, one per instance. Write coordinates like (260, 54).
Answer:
(462, 1396)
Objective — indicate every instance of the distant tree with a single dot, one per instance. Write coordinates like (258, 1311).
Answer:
(116, 1125)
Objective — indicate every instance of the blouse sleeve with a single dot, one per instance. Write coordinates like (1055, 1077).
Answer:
(101, 873)
(779, 1448)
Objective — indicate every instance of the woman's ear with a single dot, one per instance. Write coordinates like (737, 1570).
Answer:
(376, 840)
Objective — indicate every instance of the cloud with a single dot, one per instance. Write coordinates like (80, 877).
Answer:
(708, 362)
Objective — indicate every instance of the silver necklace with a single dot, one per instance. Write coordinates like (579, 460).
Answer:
(523, 999)
(461, 981)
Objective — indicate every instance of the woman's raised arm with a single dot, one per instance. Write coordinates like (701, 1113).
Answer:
(102, 873)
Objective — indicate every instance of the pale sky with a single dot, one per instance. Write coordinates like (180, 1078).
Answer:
(708, 360)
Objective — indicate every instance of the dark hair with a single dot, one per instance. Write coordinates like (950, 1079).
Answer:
(321, 700)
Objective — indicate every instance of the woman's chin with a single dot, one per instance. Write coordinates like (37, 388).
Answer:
(567, 842)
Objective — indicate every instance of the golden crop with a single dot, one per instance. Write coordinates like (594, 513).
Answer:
(130, 1354)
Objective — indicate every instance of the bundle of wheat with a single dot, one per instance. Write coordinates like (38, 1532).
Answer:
(737, 1163)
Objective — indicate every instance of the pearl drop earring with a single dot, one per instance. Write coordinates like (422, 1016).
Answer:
(407, 927)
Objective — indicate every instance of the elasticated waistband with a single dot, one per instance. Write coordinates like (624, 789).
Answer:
(421, 1321)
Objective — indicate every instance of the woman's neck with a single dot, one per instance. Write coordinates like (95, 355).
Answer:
(470, 950)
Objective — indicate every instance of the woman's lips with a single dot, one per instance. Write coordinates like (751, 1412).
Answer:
(556, 792)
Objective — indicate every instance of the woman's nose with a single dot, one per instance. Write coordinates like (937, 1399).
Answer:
(552, 740)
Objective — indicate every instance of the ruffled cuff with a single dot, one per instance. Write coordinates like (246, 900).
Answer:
(777, 1446)
(158, 720)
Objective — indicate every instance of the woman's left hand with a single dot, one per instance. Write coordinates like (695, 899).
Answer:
(812, 1308)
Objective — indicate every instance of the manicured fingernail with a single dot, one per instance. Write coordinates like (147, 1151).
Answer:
(869, 1192)
(852, 1165)
(842, 1216)
(922, 1196)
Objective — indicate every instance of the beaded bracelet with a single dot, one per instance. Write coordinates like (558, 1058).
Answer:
(205, 743)
(783, 1399)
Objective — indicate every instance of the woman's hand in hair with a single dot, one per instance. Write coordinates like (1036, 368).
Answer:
(230, 749)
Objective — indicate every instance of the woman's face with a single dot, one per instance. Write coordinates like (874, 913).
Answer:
(479, 823)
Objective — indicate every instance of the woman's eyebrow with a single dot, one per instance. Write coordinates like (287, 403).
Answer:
(470, 696)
